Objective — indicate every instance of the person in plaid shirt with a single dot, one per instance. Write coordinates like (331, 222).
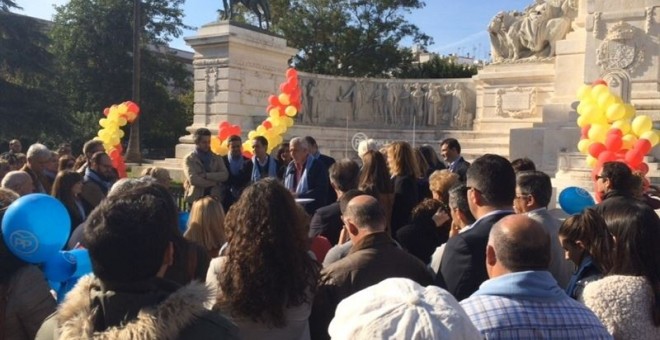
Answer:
(522, 300)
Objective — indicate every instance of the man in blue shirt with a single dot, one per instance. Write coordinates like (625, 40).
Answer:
(522, 300)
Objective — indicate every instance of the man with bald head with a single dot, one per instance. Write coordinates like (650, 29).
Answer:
(522, 300)
(374, 257)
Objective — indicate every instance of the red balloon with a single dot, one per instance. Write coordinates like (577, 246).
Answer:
(291, 72)
(633, 158)
(224, 124)
(596, 149)
(132, 107)
(293, 81)
(269, 107)
(288, 88)
(224, 133)
(585, 131)
(106, 111)
(273, 100)
(247, 154)
(616, 132)
(643, 146)
(267, 125)
(606, 156)
(599, 82)
(643, 168)
(283, 88)
(613, 142)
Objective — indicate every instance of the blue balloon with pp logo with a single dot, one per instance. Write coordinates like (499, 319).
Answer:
(573, 200)
(35, 227)
(60, 267)
(83, 262)
(183, 220)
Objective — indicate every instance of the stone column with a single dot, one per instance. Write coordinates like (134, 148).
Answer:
(236, 67)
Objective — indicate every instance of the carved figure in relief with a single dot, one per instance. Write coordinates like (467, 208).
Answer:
(311, 101)
(379, 102)
(433, 104)
(418, 98)
(406, 107)
(458, 112)
(392, 103)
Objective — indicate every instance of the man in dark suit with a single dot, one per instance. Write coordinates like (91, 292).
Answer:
(325, 159)
(450, 150)
(327, 220)
(305, 176)
(240, 170)
(491, 186)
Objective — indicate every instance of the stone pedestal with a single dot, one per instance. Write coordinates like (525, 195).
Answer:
(512, 95)
(236, 68)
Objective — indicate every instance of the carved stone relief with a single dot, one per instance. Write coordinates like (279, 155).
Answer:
(341, 101)
(619, 50)
(517, 102)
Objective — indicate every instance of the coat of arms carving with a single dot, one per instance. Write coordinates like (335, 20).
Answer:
(619, 50)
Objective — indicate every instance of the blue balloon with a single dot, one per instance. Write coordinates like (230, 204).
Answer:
(60, 267)
(35, 227)
(573, 200)
(183, 221)
(83, 262)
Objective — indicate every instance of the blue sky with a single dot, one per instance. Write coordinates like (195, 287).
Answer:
(457, 26)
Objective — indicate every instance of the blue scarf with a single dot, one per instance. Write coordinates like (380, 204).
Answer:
(528, 285)
(235, 165)
(256, 172)
(91, 175)
(587, 265)
(290, 178)
(205, 158)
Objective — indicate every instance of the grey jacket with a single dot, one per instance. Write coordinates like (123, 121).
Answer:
(560, 268)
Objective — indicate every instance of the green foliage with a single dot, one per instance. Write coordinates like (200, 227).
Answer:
(348, 37)
(30, 104)
(436, 67)
(92, 42)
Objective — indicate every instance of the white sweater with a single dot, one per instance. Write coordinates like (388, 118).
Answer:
(623, 304)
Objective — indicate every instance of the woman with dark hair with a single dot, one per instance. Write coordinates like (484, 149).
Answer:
(422, 236)
(284, 158)
(67, 188)
(66, 162)
(265, 278)
(585, 238)
(25, 299)
(431, 158)
(405, 172)
(375, 181)
(627, 299)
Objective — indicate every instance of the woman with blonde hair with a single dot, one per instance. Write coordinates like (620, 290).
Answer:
(405, 172)
(266, 279)
(440, 182)
(206, 225)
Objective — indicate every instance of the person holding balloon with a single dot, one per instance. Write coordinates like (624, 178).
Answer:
(25, 297)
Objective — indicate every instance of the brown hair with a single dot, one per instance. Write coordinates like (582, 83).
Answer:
(374, 176)
(402, 161)
(268, 268)
(589, 228)
(441, 181)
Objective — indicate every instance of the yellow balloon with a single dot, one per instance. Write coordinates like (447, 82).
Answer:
(598, 132)
(622, 125)
(582, 121)
(584, 91)
(652, 137)
(583, 146)
(291, 111)
(247, 146)
(216, 146)
(261, 130)
(605, 100)
(288, 121)
(630, 111)
(103, 122)
(629, 141)
(598, 90)
(615, 112)
(641, 124)
(284, 99)
(274, 112)
(591, 161)
(594, 115)
(121, 121)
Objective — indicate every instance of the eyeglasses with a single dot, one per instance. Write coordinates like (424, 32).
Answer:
(521, 196)
(473, 188)
(597, 177)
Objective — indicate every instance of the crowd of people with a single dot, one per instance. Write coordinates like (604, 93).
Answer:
(398, 244)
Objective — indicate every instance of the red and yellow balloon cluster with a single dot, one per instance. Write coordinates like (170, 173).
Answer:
(111, 133)
(281, 111)
(611, 131)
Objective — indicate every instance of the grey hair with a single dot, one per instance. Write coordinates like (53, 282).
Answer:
(38, 151)
(366, 145)
(125, 184)
(13, 180)
(299, 141)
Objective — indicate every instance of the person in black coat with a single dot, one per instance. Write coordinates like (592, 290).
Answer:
(422, 236)
(491, 186)
(405, 173)
(325, 159)
(306, 177)
(240, 171)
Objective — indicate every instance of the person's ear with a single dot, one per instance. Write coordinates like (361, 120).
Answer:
(531, 201)
(491, 257)
(475, 197)
(351, 227)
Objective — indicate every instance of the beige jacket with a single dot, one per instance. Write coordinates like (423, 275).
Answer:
(28, 304)
(197, 179)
